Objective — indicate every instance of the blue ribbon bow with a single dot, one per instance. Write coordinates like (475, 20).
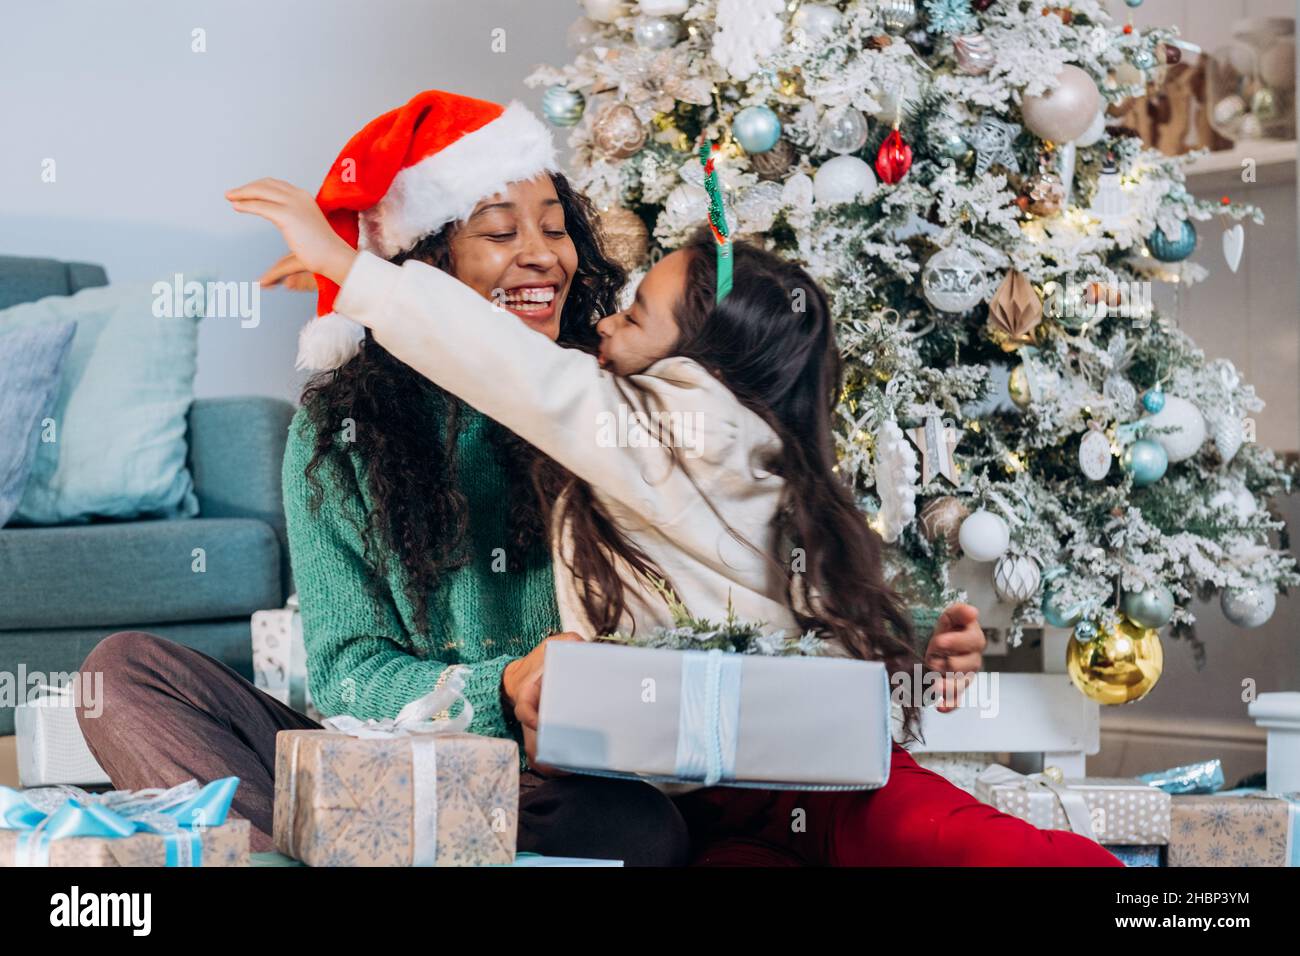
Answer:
(180, 814)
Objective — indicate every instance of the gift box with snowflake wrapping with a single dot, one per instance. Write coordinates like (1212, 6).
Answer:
(1242, 827)
(404, 792)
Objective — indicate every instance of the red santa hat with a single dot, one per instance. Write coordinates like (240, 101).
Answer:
(406, 175)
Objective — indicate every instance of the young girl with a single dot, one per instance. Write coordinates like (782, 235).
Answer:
(722, 483)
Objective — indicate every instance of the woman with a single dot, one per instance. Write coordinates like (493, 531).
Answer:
(415, 541)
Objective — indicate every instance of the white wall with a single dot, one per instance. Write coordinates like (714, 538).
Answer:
(147, 134)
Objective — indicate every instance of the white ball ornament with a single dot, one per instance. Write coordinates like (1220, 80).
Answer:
(654, 33)
(843, 179)
(1248, 606)
(984, 536)
(815, 21)
(1186, 424)
(605, 11)
(663, 8)
(1240, 502)
(953, 280)
(1065, 113)
(1016, 578)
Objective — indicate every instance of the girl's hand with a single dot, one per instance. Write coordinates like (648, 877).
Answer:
(956, 650)
(307, 233)
(291, 274)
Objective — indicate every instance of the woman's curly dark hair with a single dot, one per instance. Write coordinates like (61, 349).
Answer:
(391, 413)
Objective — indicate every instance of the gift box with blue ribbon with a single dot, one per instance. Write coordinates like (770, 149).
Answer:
(685, 719)
(184, 825)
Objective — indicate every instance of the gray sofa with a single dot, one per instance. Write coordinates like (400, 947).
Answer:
(62, 589)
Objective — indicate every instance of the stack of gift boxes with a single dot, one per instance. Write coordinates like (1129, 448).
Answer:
(1177, 817)
(420, 790)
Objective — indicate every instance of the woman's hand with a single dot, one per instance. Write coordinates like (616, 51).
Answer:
(306, 231)
(956, 650)
(521, 683)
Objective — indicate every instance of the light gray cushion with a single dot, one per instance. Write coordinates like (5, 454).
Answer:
(31, 365)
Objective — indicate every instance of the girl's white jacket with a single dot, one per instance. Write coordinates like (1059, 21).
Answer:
(563, 403)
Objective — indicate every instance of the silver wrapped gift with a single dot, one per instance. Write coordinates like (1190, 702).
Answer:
(709, 717)
(1119, 810)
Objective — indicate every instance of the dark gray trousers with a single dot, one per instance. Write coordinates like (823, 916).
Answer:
(171, 713)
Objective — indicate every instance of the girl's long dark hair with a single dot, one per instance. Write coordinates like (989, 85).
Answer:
(415, 509)
(772, 343)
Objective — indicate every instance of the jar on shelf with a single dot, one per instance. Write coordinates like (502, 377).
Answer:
(1250, 83)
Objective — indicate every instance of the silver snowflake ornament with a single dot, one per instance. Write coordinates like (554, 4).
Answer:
(991, 139)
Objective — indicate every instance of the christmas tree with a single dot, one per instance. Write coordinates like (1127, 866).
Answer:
(1015, 406)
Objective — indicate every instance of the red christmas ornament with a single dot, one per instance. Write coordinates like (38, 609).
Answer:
(894, 159)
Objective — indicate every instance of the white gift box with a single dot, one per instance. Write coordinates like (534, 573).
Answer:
(51, 748)
(280, 657)
(714, 718)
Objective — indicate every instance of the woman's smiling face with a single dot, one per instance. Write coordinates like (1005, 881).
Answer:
(514, 250)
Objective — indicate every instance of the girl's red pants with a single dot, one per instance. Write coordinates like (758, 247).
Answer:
(917, 819)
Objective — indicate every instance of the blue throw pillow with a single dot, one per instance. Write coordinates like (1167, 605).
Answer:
(31, 363)
(120, 417)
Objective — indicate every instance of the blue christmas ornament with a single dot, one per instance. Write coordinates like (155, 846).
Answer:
(562, 107)
(756, 128)
(1058, 615)
(1150, 607)
(1154, 399)
(1134, 3)
(1085, 631)
(1173, 250)
(1146, 461)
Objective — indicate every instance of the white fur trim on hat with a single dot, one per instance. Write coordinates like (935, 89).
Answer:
(328, 341)
(446, 186)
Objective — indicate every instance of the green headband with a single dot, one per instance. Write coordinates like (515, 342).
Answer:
(717, 219)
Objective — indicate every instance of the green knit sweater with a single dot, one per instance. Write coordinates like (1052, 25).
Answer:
(365, 656)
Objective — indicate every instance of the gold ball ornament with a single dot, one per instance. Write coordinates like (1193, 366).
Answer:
(941, 518)
(625, 237)
(617, 132)
(1119, 666)
(1018, 386)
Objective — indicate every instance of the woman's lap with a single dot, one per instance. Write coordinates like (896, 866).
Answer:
(171, 713)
